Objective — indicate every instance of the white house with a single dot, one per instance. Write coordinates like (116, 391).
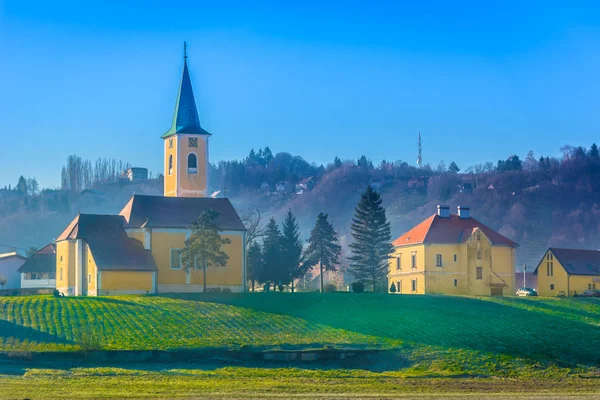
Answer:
(9, 270)
(40, 270)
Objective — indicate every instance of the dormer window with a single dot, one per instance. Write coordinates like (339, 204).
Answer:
(192, 164)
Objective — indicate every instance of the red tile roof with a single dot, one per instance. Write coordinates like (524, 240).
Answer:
(449, 230)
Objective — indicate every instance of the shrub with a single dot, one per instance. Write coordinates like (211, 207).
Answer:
(89, 339)
(55, 293)
(393, 288)
(226, 290)
(330, 287)
(358, 287)
(280, 287)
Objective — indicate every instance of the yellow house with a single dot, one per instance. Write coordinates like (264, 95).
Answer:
(452, 254)
(568, 271)
(139, 250)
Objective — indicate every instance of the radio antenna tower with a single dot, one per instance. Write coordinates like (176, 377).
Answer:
(420, 156)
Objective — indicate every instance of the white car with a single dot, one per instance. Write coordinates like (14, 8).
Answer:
(523, 292)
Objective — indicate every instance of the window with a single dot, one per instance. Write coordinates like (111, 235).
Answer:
(193, 142)
(479, 273)
(192, 164)
(61, 260)
(170, 164)
(414, 285)
(552, 287)
(478, 235)
(89, 278)
(170, 143)
(455, 258)
(591, 286)
(413, 260)
(438, 260)
(549, 268)
(479, 254)
(175, 258)
(455, 282)
(61, 276)
(398, 266)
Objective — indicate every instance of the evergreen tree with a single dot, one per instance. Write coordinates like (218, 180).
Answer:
(453, 168)
(291, 248)
(372, 240)
(337, 162)
(254, 264)
(22, 186)
(203, 247)
(594, 154)
(323, 248)
(272, 250)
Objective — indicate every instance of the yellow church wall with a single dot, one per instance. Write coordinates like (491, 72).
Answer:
(170, 179)
(65, 266)
(580, 283)
(192, 185)
(162, 243)
(125, 282)
(139, 235)
(231, 274)
(177, 280)
(92, 272)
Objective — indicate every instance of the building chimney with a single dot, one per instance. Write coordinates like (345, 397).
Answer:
(443, 211)
(464, 212)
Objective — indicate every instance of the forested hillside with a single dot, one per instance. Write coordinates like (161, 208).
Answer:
(537, 202)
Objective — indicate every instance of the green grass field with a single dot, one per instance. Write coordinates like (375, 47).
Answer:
(431, 337)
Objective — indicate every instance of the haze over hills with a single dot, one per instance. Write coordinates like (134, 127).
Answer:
(536, 202)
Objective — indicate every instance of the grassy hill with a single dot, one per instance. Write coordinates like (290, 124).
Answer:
(440, 334)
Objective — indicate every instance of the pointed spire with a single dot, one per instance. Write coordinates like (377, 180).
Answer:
(185, 118)
(420, 156)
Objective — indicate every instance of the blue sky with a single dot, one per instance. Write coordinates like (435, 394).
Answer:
(317, 79)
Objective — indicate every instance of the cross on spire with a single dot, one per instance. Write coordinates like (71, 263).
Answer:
(185, 50)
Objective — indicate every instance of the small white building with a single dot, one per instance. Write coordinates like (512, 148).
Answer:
(10, 277)
(136, 174)
(39, 271)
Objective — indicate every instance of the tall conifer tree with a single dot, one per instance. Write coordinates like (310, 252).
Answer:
(291, 248)
(323, 248)
(372, 240)
(272, 269)
(255, 264)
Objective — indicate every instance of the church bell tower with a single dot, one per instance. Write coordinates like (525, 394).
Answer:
(186, 145)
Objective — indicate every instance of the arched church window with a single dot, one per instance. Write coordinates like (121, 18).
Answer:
(170, 164)
(192, 164)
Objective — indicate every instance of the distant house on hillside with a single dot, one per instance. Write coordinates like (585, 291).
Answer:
(568, 271)
(452, 254)
(40, 270)
(265, 187)
(9, 270)
(136, 174)
(283, 187)
(465, 188)
(305, 185)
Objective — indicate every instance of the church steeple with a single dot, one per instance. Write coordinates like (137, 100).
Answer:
(186, 145)
(185, 118)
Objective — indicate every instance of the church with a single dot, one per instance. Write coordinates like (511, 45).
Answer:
(138, 251)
